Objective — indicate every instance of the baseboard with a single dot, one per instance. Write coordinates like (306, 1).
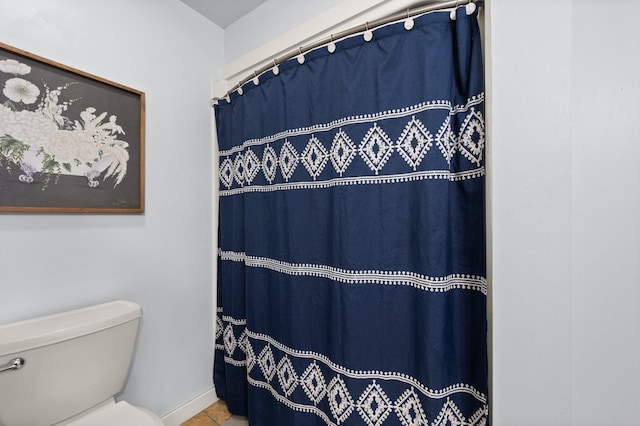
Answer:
(190, 409)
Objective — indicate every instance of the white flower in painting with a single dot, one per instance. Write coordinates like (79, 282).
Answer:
(6, 114)
(62, 145)
(21, 90)
(50, 140)
(86, 150)
(11, 66)
(28, 127)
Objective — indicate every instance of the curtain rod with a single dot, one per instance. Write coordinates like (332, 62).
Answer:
(368, 26)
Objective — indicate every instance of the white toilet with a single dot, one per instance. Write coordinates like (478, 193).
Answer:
(65, 369)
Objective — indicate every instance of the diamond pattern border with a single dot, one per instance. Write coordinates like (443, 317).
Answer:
(373, 405)
(472, 137)
(313, 383)
(375, 150)
(340, 401)
(314, 157)
(414, 131)
(343, 152)
(270, 163)
(288, 160)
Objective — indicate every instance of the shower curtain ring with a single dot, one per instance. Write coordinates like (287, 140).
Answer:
(408, 22)
(453, 12)
(368, 34)
(331, 46)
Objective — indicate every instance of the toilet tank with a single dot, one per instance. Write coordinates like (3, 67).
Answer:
(73, 361)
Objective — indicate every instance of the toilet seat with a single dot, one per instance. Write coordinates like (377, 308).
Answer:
(119, 414)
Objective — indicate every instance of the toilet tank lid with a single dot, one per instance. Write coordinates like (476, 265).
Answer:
(46, 330)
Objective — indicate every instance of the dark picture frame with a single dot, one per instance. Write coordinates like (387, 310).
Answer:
(69, 141)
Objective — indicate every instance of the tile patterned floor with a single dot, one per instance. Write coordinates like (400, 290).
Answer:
(216, 415)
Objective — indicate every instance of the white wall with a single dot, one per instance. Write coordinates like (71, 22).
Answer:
(269, 20)
(566, 238)
(605, 212)
(163, 259)
(531, 203)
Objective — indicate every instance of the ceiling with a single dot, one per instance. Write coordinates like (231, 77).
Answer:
(223, 12)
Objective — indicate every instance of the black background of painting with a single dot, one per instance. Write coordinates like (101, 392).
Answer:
(73, 191)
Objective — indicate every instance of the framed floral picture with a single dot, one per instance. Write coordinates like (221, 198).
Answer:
(69, 141)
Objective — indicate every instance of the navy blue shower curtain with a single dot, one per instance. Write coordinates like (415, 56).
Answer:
(351, 262)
